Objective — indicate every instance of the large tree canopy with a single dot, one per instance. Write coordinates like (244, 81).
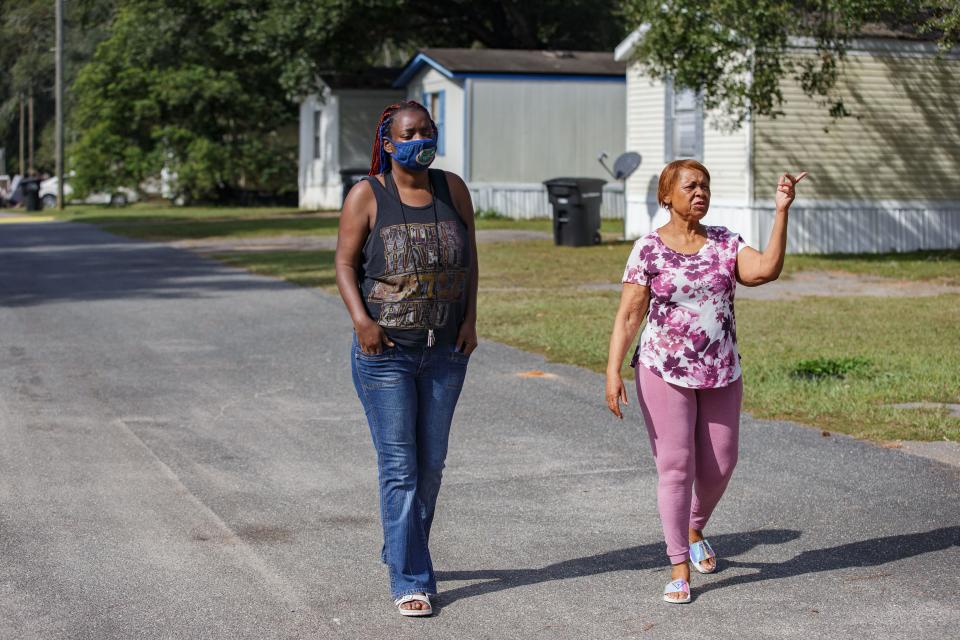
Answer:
(181, 84)
(737, 52)
(27, 64)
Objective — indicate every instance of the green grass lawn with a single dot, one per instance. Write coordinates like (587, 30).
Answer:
(545, 299)
(560, 301)
(542, 224)
(159, 222)
(938, 266)
(148, 221)
(305, 268)
(149, 212)
(905, 364)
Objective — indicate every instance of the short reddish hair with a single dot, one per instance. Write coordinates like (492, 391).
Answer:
(670, 175)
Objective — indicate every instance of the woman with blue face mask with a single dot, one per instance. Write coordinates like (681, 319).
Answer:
(406, 267)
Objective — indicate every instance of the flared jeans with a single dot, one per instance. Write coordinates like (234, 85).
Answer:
(409, 396)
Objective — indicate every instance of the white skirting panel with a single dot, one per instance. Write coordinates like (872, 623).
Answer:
(868, 229)
(522, 201)
(321, 197)
(827, 227)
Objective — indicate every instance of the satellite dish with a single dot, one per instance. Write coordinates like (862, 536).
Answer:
(624, 166)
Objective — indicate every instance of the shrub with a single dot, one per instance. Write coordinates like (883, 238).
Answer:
(819, 368)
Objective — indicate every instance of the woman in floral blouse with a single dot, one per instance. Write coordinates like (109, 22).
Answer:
(688, 368)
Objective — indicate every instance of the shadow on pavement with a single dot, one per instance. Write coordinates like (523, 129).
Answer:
(51, 263)
(648, 556)
(865, 553)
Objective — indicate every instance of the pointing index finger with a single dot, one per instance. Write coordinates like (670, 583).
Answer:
(795, 180)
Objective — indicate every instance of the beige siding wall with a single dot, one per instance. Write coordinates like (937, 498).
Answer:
(430, 81)
(527, 131)
(645, 130)
(359, 113)
(903, 142)
(726, 155)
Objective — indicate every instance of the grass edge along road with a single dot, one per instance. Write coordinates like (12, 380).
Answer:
(150, 222)
(833, 363)
(158, 222)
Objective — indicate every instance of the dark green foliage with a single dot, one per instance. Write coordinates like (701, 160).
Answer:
(309, 36)
(27, 65)
(209, 88)
(181, 84)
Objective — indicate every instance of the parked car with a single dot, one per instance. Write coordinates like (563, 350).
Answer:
(8, 190)
(119, 198)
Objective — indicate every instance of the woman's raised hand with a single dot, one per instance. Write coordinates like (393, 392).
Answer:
(786, 190)
(615, 393)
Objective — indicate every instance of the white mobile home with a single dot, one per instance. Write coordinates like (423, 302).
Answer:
(881, 180)
(510, 119)
(336, 132)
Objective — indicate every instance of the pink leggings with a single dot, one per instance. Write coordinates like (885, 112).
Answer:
(693, 433)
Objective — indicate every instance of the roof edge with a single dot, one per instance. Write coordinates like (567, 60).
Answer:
(423, 58)
(414, 66)
(626, 48)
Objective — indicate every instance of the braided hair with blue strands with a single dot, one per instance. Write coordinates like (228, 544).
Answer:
(380, 159)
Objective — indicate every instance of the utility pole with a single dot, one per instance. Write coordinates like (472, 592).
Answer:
(59, 106)
(21, 167)
(30, 131)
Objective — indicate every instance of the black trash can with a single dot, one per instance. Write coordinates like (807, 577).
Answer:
(30, 188)
(350, 177)
(576, 210)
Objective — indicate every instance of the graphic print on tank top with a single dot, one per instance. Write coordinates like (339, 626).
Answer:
(419, 286)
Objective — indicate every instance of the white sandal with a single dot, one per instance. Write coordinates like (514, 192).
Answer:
(700, 551)
(677, 586)
(414, 597)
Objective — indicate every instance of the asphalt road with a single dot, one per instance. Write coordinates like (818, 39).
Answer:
(182, 455)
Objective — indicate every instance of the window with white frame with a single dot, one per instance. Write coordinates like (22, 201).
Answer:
(434, 102)
(683, 130)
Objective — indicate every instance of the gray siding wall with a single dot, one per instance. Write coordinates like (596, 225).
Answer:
(528, 131)
(359, 113)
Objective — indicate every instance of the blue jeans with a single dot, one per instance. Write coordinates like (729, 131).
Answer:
(409, 395)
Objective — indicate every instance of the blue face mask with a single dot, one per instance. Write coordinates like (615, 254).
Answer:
(415, 155)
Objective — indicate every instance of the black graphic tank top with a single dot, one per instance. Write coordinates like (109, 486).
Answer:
(414, 271)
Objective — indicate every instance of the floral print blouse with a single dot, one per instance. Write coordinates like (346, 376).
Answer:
(690, 339)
